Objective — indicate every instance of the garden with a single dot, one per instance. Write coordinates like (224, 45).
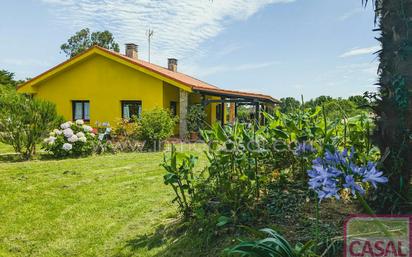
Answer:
(285, 187)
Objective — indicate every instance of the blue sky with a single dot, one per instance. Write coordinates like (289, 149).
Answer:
(279, 47)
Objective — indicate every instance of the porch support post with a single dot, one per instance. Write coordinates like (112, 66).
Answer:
(183, 105)
(232, 113)
(257, 113)
(236, 105)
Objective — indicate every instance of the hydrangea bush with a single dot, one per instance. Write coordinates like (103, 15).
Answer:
(71, 139)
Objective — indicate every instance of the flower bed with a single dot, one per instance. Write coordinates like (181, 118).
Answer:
(71, 139)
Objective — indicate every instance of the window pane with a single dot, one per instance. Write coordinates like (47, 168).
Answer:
(126, 112)
(139, 111)
(86, 111)
(78, 110)
(133, 110)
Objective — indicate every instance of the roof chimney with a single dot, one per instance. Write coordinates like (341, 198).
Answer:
(172, 64)
(131, 50)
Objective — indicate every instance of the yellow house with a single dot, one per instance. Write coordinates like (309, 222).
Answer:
(104, 86)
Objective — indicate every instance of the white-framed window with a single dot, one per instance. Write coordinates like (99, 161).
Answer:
(81, 110)
(131, 108)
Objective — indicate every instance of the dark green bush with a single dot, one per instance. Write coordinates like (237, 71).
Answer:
(156, 126)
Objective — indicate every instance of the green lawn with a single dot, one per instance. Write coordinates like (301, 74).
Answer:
(96, 206)
(5, 149)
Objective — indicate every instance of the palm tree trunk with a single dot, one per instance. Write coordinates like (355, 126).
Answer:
(394, 103)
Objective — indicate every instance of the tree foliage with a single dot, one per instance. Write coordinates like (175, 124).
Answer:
(83, 40)
(393, 101)
(288, 104)
(7, 79)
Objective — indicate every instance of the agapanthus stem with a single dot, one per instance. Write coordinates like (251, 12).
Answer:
(364, 204)
(317, 221)
(369, 211)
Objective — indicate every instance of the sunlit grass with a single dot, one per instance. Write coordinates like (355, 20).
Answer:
(96, 206)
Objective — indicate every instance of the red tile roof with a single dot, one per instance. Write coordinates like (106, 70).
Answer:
(193, 83)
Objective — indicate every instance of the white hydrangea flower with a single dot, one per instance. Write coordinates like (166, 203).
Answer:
(80, 134)
(79, 122)
(73, 139)
(68, 132)
(83, 139)
(52, 133)
(87, 128)
(50, 140)
(92, 134)
(67, 147)
(65, 125)
(57, 132)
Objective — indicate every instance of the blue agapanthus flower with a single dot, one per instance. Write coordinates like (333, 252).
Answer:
(338, 170)
(373, 176)
(350, 183)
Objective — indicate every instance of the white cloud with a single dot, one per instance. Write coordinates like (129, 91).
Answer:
(360, 51)
(180, 27)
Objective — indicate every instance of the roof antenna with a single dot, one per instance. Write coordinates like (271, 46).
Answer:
(149, 34)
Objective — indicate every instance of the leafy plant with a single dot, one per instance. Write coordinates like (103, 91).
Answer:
(24, 121)
(179, 175)
(236, 174)
(154, 127)
(196, 117)
(271, 246)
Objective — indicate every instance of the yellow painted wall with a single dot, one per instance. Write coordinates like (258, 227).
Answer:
(171, 93)
(105, 83)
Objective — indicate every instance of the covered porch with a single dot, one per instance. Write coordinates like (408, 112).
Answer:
(223, 105)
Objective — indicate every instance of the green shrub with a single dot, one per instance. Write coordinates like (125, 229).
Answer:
(72, 139)
(156, 126)
(24, 121)
(196, 117)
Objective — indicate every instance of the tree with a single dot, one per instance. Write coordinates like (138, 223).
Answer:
(394, 103)
(288, 104)
(7, 79)
(318, 101)
(83, 40)
(359, 100)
